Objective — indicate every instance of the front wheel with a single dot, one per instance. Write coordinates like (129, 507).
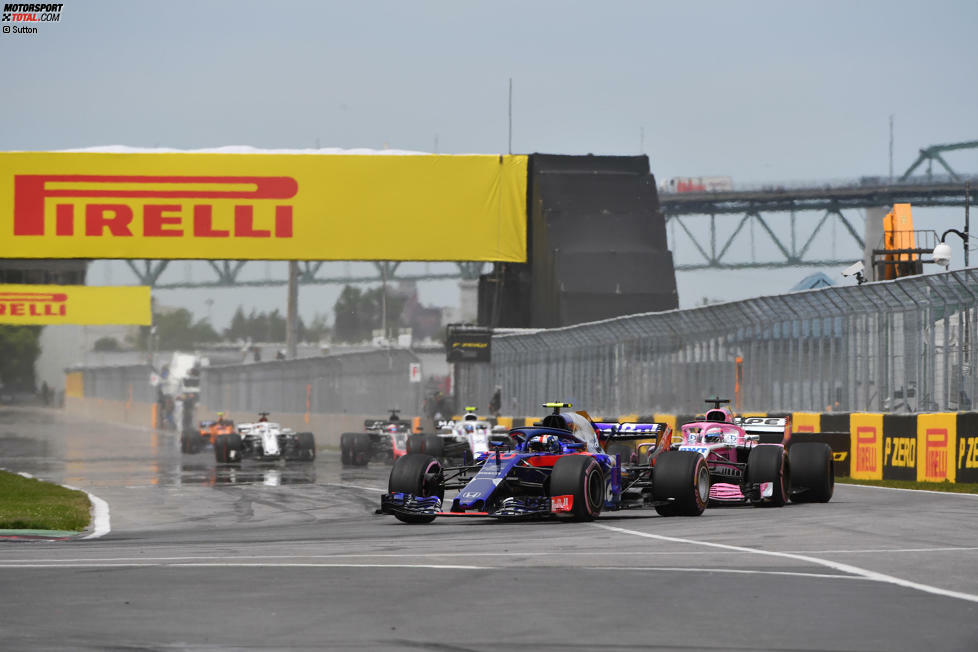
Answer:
(768, 463)
(434, 446)
(682, 478)
(578, 480)
(415, 443)
(418, 475)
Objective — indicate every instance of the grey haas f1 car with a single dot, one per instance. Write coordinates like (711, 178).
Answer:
(384, 440)
(558, 468)
(266, 441)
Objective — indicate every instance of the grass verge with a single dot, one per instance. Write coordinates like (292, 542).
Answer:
(28, 504)
(949, 487)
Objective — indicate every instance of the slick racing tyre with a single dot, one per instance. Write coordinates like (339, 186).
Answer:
(227, 449)
(415, 443)
(434, 446)
(683, 478)
(346, 448)
(361, 449)
(768, 463)
(419, 475)
(305, 446)
(812, 472)
(579, 476)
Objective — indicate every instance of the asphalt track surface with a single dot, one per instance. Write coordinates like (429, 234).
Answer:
(275, 557)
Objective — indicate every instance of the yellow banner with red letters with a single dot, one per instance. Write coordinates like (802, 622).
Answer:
(263, 206)
(866, 446)
(74, 304)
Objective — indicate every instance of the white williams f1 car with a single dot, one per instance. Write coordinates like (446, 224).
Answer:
(264, 440)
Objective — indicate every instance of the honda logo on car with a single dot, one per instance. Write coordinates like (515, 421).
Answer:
(172, 216)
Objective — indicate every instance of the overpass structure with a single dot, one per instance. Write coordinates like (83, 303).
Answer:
(780, 212)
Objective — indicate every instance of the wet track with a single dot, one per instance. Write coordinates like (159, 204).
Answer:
(269, 557)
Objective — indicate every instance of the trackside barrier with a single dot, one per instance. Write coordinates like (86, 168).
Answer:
(327, 394)
(349, 383)
(900, 346)
(931, 447)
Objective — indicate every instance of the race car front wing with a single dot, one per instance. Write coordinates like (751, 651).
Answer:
(513, 508)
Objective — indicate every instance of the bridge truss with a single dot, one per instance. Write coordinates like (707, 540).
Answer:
(722, 226)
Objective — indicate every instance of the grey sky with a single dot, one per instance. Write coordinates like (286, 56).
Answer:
(759, 91)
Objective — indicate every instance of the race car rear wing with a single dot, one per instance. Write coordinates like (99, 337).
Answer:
(624, 431)
(773, 430)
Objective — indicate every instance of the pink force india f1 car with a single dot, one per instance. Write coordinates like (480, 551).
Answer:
(745, 470)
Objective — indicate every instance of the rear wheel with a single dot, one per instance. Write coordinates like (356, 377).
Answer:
(580, 477)
(360, 449)
(305, 446)
(346, 448)
(227, 449)
(683, 478)
(768, 463)
(434, 446)
(419, 475)
(812, 472)
(415, 443)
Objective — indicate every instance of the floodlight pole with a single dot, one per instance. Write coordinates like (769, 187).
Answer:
(291, 319)
(967, 219)
(510, 149)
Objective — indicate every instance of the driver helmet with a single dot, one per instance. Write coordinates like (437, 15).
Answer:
(713, 435)
(469, 427)
(392, 428)
(543, 444)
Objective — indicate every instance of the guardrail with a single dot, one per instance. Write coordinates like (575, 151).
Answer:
(893, 346)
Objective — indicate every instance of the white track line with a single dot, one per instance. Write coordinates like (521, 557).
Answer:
(352, 486)
(103, 524)
(737, 571)
(844, 568)
(243, 565)
(916, 491)
(423, 555)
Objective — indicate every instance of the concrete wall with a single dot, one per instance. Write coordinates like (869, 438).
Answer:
(326, 427)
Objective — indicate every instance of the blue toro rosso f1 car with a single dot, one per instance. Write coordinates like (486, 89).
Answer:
(566, 466)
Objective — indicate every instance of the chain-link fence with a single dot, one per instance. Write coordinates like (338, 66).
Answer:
(895, 346)
(354, 383)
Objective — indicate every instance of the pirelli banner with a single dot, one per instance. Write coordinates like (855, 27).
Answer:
(866, 446)
(74, 304)
(262, 206)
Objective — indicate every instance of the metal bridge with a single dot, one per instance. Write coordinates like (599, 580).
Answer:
(759, 208)
(720, 225)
